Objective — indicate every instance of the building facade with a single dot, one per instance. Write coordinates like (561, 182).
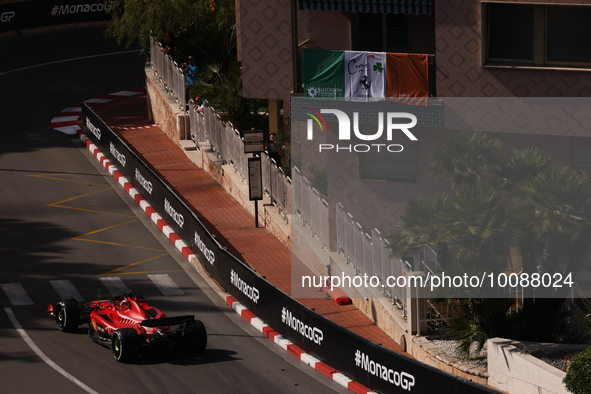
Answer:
(481, 54)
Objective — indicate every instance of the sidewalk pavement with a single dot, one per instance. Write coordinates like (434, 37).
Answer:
(222, 215)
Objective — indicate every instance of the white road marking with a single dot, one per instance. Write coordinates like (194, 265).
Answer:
(166, 285)
(65, 289)
(97, 101)
(42, 355)
(124, 93)
(114, 284)
(16, 294)
(69, 130)
(59, 119)
(72, 109)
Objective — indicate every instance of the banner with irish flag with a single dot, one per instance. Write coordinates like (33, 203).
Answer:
(365, 74)
(408, 77)
(359, 75)
(324, 73)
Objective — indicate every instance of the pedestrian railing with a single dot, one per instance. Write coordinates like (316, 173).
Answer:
(311, 207)
(228, 145)
(370, 254)
(197, 121)
(168, 72)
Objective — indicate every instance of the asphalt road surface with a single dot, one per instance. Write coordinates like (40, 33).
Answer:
(66, 228)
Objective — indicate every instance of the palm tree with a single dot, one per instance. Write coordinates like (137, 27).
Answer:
(477, 230)
(555, 211)
(465, 157)
(519, 166)
(520, 205)
(419, 227)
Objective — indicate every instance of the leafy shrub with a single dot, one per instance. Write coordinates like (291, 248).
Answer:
(578, 377)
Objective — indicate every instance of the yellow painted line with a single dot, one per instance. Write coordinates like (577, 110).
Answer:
(107, 228)
(117, 244)
(56, 204)
(53, 177)
(90, 210)
(116, 270)
(77, 197)
(105, 187)
(81, 237)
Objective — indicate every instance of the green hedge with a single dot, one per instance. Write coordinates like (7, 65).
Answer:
(578, 377)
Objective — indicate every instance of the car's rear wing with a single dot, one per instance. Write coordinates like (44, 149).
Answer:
(167, 321)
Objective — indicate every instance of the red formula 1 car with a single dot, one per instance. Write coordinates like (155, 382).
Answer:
(129, 326)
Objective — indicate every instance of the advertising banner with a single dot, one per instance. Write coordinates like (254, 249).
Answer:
(36, 13)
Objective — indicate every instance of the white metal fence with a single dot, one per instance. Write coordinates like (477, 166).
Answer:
(312, 208)
(197, 122)
(370, 255)
(229, 146)
(168, 72)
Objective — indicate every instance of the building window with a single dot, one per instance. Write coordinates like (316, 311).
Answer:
(382, 32)
(538, 35)
(389, 166)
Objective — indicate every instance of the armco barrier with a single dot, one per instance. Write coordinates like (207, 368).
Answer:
(368, 363)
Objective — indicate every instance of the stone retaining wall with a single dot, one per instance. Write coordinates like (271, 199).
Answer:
(161, 106)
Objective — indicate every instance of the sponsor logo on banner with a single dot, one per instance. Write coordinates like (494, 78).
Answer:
(7, 16)
(324, 92)
(208, 253)
(93, 129)
(146, 184)
(404, 380)
(120, 157)
(177, 217)
(66, 9)
(345, 130)
(314, 334)
(250, 291)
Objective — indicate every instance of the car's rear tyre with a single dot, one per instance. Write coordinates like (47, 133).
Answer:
(67, 315)
(126, 345)
(196, 337)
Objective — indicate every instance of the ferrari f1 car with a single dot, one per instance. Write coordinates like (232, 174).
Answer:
(129, 326)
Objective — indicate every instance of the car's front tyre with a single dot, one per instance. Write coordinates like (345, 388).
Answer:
(126, 345)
